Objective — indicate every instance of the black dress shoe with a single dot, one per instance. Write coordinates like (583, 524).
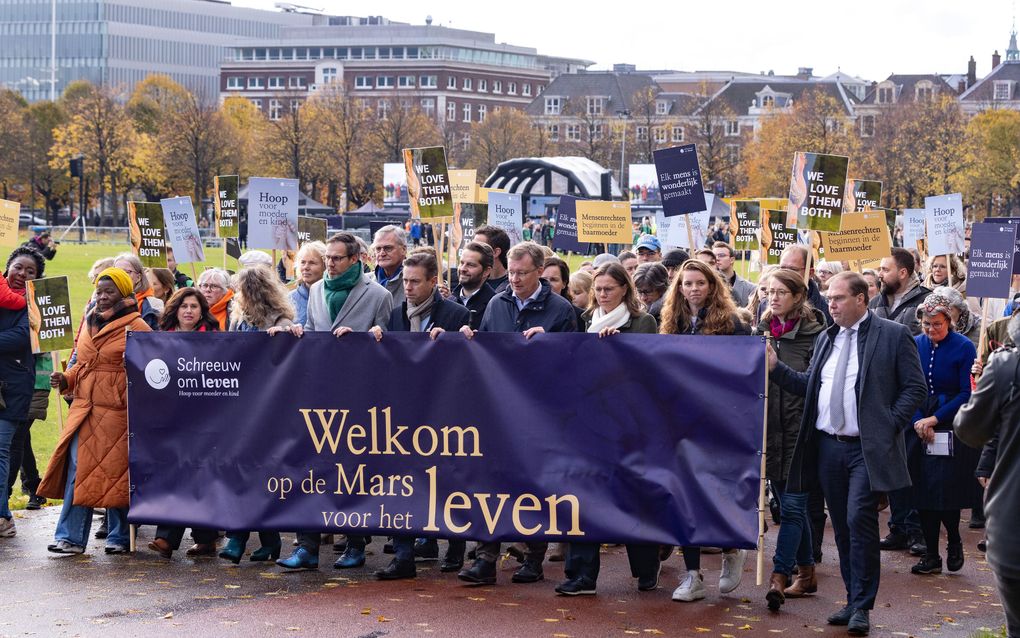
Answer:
(982, 545)
(841, 617)
(918, 549)
(576, 587)
(859, 624)
(397, 570)
(648, 582)
(894, 541)
(529, 572)
(954, 557)
(928, 565)
(482, 572)
(387, 547)
(451, 564)
(426, 549)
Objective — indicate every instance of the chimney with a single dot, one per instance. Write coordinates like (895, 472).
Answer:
(996, 58)
(804, 72)
(971, 72)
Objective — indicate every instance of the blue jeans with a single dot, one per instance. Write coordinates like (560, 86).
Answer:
(794, 539)
(7, 430)
(75, 521)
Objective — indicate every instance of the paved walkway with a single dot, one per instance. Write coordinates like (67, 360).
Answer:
(111, 596)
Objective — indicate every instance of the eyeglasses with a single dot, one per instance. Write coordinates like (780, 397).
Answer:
(332, 258)
(776, 292)
(933, 324)
(385, 249)
(209, 286)
(518, 274)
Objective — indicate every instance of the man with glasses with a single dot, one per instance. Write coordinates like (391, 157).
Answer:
(740, 288)
(390, 247)
(528, 306)
(648, 249)
(345, 300)
(796, 257)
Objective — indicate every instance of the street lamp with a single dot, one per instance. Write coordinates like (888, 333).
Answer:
(624, 115)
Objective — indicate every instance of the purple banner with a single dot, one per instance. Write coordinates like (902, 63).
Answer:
(680, 180)
(989, 268)
(563, 437)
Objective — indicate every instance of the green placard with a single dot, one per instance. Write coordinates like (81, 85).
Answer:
(310, 229)
(148, 234)
(817, 189)
(49, 314)
(226, 205)
(428, 182)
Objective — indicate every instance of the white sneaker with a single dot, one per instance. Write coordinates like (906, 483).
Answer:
(7, 529)
(692, 588)
(64, 548)
(732, 570)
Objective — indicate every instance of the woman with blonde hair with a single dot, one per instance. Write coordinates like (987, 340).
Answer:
(699, 303)
(955, 276)
(148, 305)
(825, 270)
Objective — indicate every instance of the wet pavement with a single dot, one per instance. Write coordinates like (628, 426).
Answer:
(142, 595)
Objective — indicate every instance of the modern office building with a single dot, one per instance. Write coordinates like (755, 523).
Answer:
(455, 76)
(119, 42)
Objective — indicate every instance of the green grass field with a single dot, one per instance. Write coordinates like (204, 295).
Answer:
(74, 261)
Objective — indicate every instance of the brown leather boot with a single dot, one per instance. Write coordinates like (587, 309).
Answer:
(805, 583)
(775, 597)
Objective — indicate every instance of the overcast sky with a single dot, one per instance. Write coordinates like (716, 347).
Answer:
(869, 38)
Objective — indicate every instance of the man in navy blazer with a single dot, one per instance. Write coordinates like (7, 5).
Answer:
(861, 390)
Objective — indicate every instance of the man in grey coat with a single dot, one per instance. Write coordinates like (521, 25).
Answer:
(345, 300)
(993, 415)
(861, 390)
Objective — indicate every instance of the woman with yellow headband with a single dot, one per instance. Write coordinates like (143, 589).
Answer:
(150, 307)
(94, 473)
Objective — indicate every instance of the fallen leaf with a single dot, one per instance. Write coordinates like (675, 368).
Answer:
(702, 630)
(654, 632)
(384, 619)
(366, 611)
(168, 614)
(551, 619)
(745, 628)
(232, 586)
(293, 629)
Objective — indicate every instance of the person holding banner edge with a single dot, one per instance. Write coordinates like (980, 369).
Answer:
(615, 309)
(699, 302)
(530, 307)
(854, 449)
(345, 300)
(423, 310)
(95, 432)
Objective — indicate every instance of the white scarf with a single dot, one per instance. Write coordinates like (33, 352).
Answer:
(613, 319)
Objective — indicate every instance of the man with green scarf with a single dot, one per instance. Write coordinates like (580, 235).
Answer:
(345, 300)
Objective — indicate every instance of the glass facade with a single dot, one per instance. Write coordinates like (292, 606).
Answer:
(119, 42)
(457, 54)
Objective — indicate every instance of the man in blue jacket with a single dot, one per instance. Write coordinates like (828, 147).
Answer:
(527, 306)
(861, 390)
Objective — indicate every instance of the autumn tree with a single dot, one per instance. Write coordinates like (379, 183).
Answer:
(100, 128)
(991, 177)
(400, 123)
(52, 183)
(718, 154)
(194, 144)
(344, 124)
(817, 123)
(503, 135)
(595, 138)
(245, 131)
(13, 139)
(643, 114)
(918, 150)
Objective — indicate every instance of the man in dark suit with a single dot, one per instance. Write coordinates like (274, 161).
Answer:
(473, 290)
(861, 390)
(423, 310)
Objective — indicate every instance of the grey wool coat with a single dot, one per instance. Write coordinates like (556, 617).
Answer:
(367, 305)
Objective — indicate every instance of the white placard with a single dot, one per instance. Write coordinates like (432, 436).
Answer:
(273, 213)
(506, 211)
(182, 229)
(913, 226)
(943, 215)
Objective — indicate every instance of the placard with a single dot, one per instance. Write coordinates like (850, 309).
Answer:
(565, 238)
(864, 236)
(506, 211)
(603, 222)
(944, 224)
(428, 184)
(863, 194)
(679, 178)
(394, 183)
(181, 229)
(990, 266)
(226, 187)
(311, 229)
(464, 186)
(913, 226)
(1016, 222)
(817, 189)
(745, 224)
(10, 213)
(148, 233)
(776, 236)
(466, 218)
(699, 223)
(49, 314)
(273, 213)
(665, 230)
(643, 185)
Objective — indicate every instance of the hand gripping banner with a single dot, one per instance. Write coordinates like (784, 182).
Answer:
(630, 438)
